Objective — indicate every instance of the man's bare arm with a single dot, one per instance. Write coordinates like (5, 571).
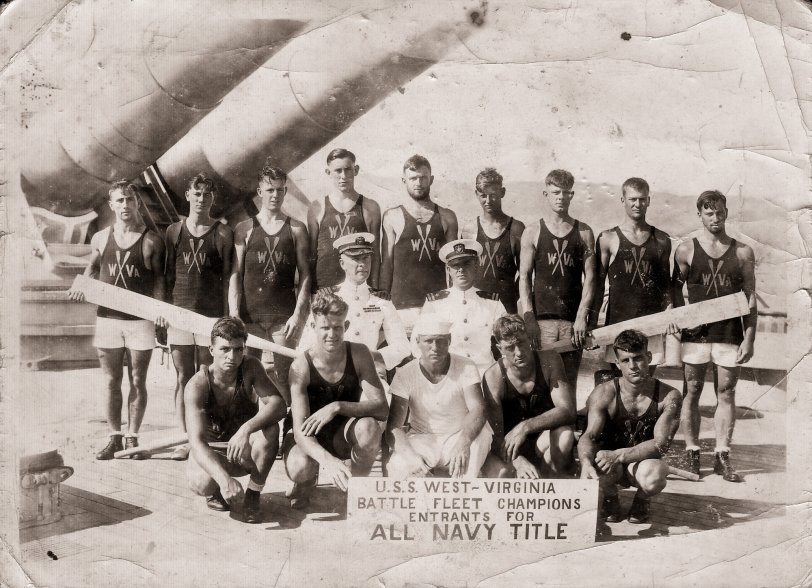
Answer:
(314, 214)
(235, 292)
(302, 244)
(375, 406)
(300, 410)
(372, 215)
(171, 237)
(664, 431)
(493, 388)
(747, 260)
(156, 262)
(527, 259)
(450, 224)
(561, 393)
(226, 244)
(682, 265)
(590, 276)
(387, 251)
(602, 260)
(194, 399)
(597, 412)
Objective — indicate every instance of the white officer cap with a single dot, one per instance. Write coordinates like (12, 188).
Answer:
(459, 249)
(355, 244)
(431, 324)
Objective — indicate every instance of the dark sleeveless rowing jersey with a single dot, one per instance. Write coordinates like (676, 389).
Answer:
(710, 277)
(517, 407)
(498, 266)
(125, 268)
(638, 283)
(269, 270)
(559, 269)
(333, 225)
(224, 420)
(320, 393)
(198, 272)
(417, 269)
(625, 430)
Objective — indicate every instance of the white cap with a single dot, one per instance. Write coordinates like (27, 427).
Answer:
(460, 249)
(355, 244)
(431, 324)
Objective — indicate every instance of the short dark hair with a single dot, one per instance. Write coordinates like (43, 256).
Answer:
(126, 187)
(508, 328)
(415, 162)
(488, 177)
(710, 199)
(202, 180)
(326, 302)
(630, 341)
(270, 173)
(340, 153)
(638, 184)
(561, 178)
(229, 328)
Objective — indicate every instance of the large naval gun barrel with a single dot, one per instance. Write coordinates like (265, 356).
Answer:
(141, 74)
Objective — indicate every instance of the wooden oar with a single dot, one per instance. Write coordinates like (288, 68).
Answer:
(165, 443)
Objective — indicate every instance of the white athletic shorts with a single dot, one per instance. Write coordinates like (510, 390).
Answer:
(435, 449)
(554, 330)
(723, 354)
(178, 337)
(656, 345)
(113, 333)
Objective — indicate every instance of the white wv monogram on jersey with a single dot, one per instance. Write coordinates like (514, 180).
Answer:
(121, 267)
(716, 278)
(194, 258)
(489, 260)
(341, 228)
(560, 258)
(424, 243)
(637, 266)
(268, 256)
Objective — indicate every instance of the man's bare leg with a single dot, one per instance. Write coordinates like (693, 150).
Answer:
(137, 400)
(693, 384)
(364, 435)
(112, 365)
(302, 470)
(724, 420)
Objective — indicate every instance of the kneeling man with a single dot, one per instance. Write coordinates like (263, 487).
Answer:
(531, 405)
(329, 421)
(631, 423)
(232, 401)
(442, 396)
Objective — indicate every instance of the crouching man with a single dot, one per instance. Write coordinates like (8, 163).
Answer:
(631, 423)
(232, 401)
(531, 406)
(330, 421)
(442, 396)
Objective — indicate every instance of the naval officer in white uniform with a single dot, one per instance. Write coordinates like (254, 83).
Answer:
(371, 315)
(471, 311)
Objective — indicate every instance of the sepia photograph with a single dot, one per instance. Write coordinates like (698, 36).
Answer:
(405, 293)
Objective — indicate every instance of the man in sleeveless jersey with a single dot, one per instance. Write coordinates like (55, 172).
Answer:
(631, 422)
(472, 312)
(712, 265)
(412, 236)
(372, 317)
(130, 256)
(531, 406)
(500, 236)
(437, 419)
(342, 212)
(198, 266)
(232, 401)
(269, 249)
(557, 274)
(635, 257)
(329, 421)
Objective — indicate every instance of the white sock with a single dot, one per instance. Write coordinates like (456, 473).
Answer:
(254, 486)
(134, 435)
(113, 433)
(692, 448)
(721, 449)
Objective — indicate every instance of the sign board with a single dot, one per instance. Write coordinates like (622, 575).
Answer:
(479, 511)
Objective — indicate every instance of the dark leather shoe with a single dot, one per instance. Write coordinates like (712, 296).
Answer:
(132, 443)
(640, 511)
(723, 467)
(217, 502)
(112, 446)
(610, 509)
(692, 461)
(252, 513)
